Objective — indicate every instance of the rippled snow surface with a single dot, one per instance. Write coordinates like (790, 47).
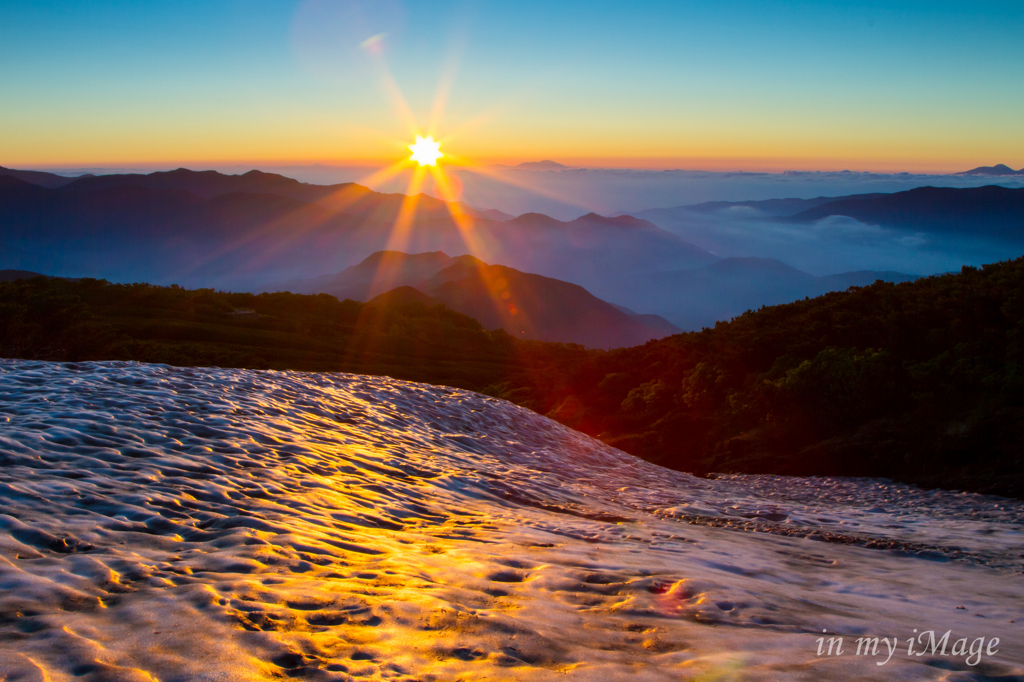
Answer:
(203, 524)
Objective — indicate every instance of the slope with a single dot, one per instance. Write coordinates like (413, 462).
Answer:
(526, 305)
(50, 180)
(536, 307)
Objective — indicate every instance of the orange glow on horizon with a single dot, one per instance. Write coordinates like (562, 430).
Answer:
(378, 166)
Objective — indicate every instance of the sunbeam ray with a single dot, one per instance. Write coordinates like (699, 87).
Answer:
(399, 235)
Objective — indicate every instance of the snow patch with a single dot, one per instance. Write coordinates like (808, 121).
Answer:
(201, 524)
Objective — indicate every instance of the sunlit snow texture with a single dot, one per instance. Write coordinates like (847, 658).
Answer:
(203, 524)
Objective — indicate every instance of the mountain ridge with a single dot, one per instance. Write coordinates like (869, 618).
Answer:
(41, 178)
(210, 229)
(524, 304)
(346, 197)
(991, 210)
(998, 169)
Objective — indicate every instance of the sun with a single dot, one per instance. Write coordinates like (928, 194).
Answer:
(426, 152)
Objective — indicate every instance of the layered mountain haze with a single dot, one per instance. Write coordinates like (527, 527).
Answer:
(374, 275)
(536, 307)
(209, 229)
(595, 251)
(992, 211)
(927, 230)
(565, 193)
(526, 305)
(346, 197)
(978, 211)
(692, 265)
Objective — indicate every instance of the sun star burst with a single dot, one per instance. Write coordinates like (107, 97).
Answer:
(426, 152)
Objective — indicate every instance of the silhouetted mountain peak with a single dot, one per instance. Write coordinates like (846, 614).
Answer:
(536, 220)
(533, 306)
(209, 183)
(467, 261)
(991, 210)
(524, 304)
(547, 164)
(986, 191)
(403, 295)
(625, 221)
(998, 169)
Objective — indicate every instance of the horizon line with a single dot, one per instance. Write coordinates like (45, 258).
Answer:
(269, 165)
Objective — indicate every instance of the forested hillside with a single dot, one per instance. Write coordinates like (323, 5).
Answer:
(921, 381)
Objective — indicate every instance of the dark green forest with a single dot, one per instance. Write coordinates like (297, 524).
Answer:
(921, 382)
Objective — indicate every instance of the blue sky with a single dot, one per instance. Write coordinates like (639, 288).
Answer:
(882, 86)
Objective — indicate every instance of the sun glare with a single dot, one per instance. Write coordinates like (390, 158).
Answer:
(426, 152)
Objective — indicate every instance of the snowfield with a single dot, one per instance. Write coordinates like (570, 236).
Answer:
(160, 523)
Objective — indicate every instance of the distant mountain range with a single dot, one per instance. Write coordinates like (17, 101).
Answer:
(51, 180)
(376, 274)
(348, 198)
(928, 209)
(526, 305)
(210, 229)
(991, 211)
(245, 232)
(998, 169)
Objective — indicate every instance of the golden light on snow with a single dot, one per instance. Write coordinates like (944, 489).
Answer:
(373, 528)
(425, 152)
